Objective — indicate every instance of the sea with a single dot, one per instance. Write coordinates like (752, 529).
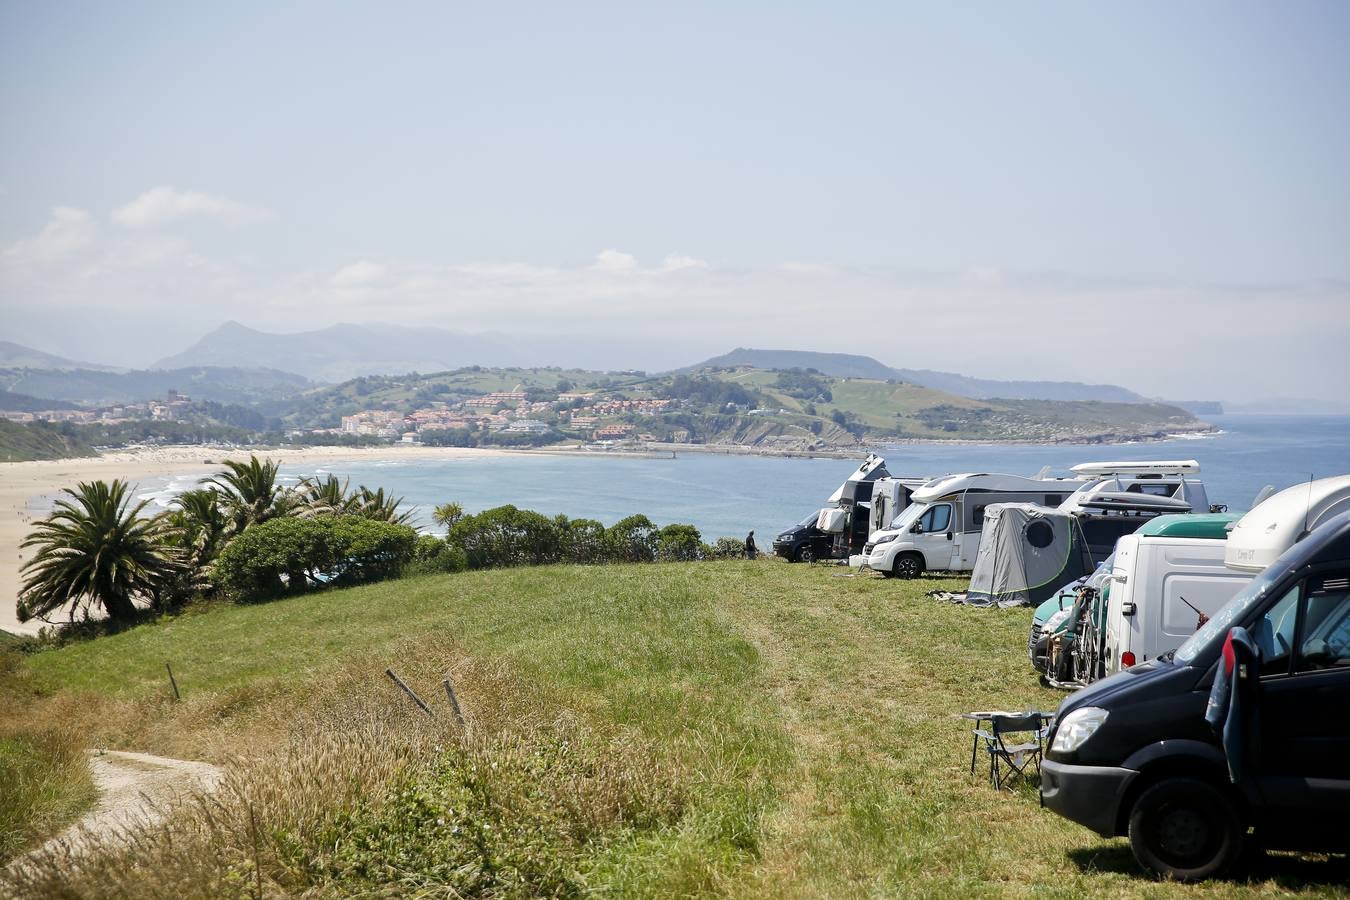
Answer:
(724, 495)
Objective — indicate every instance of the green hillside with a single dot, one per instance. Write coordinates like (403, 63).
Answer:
(790, 409)
(710, 729)
(19, 443)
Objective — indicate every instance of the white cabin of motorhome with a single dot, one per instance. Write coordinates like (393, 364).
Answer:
(1283, 520)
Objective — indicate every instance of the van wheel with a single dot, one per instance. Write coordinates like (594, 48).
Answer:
(1185, 829)
(908, 565)
(806, 554)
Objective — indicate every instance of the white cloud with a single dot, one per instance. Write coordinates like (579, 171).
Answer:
(164, 204)
(674, 263)
(66, 232)
(358, 274)
(611, 260)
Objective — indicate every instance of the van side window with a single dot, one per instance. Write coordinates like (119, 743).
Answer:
(1324, 642)
(936, 519)
(1274, 633)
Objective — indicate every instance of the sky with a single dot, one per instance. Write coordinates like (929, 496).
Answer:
(1151, 194)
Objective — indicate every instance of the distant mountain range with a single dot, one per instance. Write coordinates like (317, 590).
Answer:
(27, 389)
(848, 365)
(17, 356)
(342, 351)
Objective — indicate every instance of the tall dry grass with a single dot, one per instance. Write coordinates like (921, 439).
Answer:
(341, 786)
(44, 775)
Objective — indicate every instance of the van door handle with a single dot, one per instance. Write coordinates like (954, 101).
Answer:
(949, 536)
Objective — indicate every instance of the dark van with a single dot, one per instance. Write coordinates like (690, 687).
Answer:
(1133, 755)
(804, 542)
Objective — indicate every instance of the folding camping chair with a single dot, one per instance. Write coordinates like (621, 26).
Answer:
(1015, 744)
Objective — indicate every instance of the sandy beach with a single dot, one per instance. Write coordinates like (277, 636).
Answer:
(26, 489)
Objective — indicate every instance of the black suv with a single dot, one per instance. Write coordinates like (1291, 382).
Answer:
(1133, 754)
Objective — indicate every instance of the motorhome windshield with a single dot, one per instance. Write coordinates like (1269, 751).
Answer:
(908, 517)
(1222, 620)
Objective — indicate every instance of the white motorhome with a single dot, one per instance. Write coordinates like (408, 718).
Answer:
(940, 529)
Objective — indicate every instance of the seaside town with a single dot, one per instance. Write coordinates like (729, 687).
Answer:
(512, 412)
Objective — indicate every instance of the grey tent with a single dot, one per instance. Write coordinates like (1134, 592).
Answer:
(1026, 553)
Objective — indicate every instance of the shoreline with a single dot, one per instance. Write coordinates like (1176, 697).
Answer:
(26, 488)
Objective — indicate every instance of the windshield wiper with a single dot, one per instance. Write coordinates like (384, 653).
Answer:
(1169, 655)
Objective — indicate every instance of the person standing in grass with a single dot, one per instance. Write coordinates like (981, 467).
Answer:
(750, 550)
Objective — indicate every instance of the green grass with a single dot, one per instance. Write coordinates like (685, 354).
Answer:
(814, 718)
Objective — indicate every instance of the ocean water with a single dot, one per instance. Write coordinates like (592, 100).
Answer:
(730, 495)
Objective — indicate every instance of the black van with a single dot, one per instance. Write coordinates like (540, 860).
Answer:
(1133, 754)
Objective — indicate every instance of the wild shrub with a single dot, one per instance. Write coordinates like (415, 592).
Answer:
(633, 539)
(289, 555)
(679, 543)
(507, 536)
(434, 556)
(729, 548)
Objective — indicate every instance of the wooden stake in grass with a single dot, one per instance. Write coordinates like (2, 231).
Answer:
(172, 682)
(409, 691)
(454, 701)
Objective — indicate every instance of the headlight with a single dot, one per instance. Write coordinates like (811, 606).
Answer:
(785, 537)
(1076, 728)
(884, 539)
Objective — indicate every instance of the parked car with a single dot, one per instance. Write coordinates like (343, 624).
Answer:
(804, 542)
(1133, 755)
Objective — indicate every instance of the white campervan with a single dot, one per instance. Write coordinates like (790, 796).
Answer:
(940, 529)
(1160, 590)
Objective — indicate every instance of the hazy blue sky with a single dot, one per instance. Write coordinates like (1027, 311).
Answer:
(1000, 189)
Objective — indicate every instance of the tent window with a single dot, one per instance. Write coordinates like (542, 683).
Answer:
(1040, 535)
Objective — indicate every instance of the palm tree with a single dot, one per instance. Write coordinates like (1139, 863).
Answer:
(95, 549)
(447, 514)
(326, 496)
(251, 492)
(375, 505)
(201, 524)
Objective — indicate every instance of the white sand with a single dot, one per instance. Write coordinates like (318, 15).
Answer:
(24, 485)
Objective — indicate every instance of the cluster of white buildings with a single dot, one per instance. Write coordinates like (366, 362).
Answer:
(511, 412)
(166, 410)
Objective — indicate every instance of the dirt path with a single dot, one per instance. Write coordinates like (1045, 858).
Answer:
(132, 788)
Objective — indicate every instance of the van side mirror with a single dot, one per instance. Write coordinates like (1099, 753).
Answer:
(917, 528)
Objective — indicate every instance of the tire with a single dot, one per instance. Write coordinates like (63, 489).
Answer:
(1185, 829)
(805, 554)
(908, 565)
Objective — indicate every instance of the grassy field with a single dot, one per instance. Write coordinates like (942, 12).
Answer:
(735, 728)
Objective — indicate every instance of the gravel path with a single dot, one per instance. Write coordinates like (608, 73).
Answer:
(131, 787)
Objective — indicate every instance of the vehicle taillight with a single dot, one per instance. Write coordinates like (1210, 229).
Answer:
(1127, 659)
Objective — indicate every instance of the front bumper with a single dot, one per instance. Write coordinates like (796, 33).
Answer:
(786, 549)
(1088, 795)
